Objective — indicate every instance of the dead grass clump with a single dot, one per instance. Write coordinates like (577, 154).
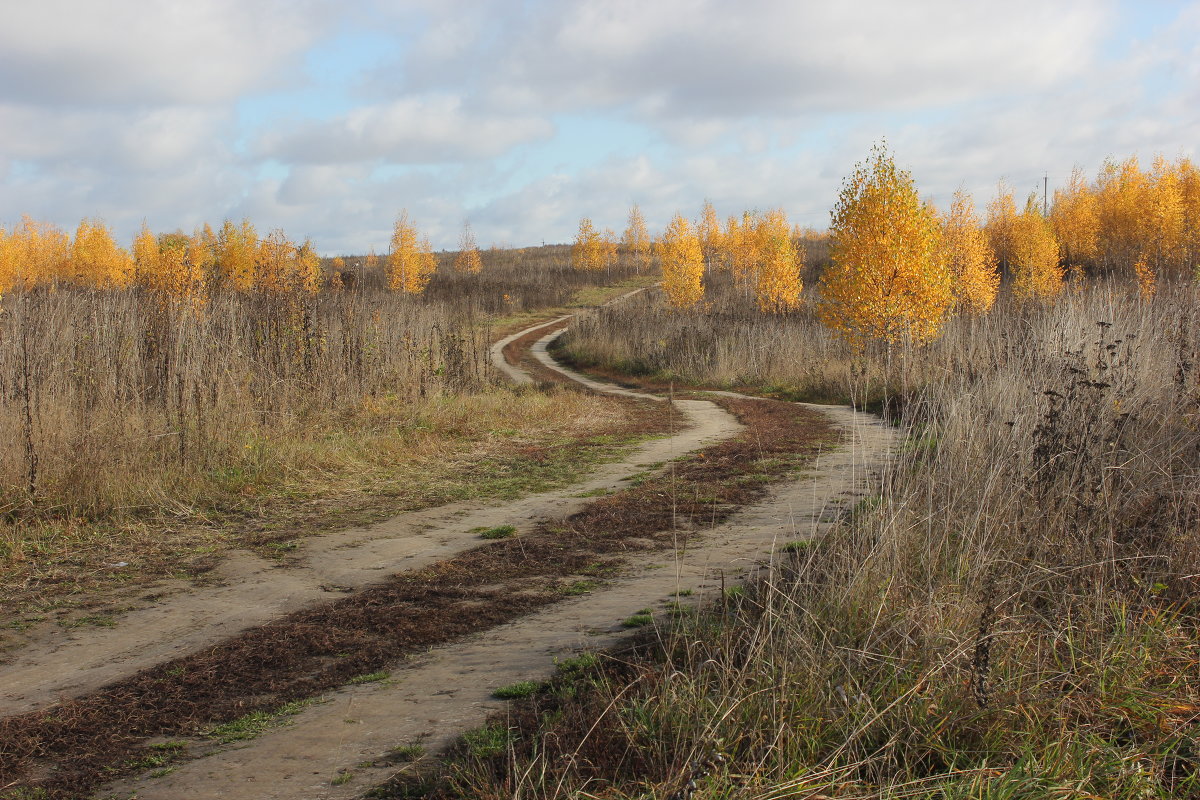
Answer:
(1015, 616)
(67, 750)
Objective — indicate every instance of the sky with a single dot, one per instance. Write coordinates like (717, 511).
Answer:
(326, 118)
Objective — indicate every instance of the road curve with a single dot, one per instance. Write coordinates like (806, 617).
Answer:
(335, 750)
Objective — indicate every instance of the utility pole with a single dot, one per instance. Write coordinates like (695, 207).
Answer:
(1045, 188)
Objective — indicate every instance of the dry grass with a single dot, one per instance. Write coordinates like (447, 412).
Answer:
(1014, 617)
(67, 750)
(158, 435)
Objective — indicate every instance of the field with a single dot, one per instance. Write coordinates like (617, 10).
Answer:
(1013, 615)
(160, 435)
(830, 531)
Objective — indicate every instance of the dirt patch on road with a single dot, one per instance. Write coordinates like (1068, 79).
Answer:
(66, 751)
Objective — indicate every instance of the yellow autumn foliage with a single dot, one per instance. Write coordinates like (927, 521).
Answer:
(968, 255)
(888, 280)
(1146, 277)
(636, 239)
(97, 260)
(411, 262)
(1037, 274)
(682, 259)
(587, 253)
(1076, 221)
(777, 274)
(1002, 215)
(608, 247)
(740, 247)
(237, 251)
(33, 254)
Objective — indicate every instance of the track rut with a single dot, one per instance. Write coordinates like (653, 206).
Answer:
(338, 749)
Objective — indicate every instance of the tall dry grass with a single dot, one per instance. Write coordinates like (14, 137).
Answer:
(155, 433)
(1014, 615)
(116, 399)
(512, 281)
(112, 399)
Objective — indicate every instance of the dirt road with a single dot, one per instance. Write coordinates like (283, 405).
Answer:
(339, 748)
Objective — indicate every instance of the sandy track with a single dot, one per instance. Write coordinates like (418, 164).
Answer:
(251, 590)
(338, 749)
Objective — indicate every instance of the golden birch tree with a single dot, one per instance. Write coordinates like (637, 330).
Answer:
(1002, 215)
(636, 239)
(43, 252)
(742, 247)
(709, 230)
(1162, 232)
(1121, 191)
(145, 257)
(304, 274)
(97, 260)
(1076, 222)
(970, 259)
(201, 263)
(607, 247)
(273, 264)
(411, 262)
(1037, 274)
(888, 279)
(468, 259)
(777, 278)
(682, 259)
(586, 252)
(237, 249)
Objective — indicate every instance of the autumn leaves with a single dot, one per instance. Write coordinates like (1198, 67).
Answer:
(899, 268)
(171, 265)
(758, 249)
(191, 268)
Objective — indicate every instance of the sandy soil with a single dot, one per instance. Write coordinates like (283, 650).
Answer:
(339, 748)
(250, 590)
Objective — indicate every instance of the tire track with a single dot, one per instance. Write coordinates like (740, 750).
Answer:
(338, 749)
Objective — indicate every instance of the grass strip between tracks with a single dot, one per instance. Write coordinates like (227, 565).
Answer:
(70, 749)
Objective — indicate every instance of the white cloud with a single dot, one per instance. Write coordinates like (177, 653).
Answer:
(126, 109)
(412, 130)
(150, 52)
(703, 59)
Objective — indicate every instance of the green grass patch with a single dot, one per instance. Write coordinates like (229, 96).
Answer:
(640, 619)
(370, 677)
(497, 532)
(255, 723)
(518, 690)
(407, 752)
(577, 664)
(488, 741)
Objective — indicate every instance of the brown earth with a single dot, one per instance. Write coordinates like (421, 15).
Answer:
(565, 575)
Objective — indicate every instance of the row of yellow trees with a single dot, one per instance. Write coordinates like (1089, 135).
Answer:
(1127, 215)
(34, 254)
(758, 249)
(900, 267)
